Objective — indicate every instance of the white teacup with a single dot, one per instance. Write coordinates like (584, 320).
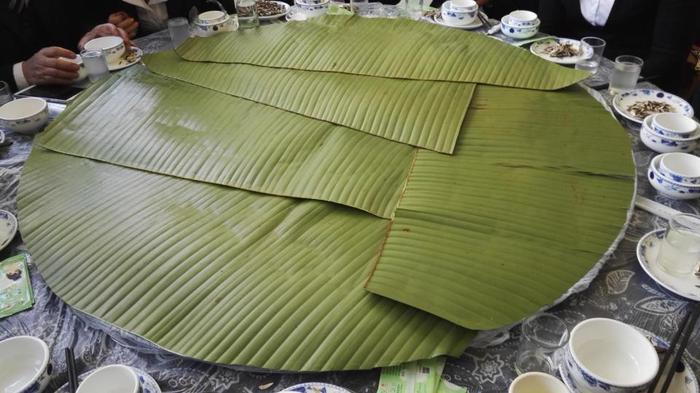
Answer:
(536, 382)
(608, 356)
(112, 46)
(117, 377)
(459, 16)
(24, 365)
(464, 5)
(82, 72)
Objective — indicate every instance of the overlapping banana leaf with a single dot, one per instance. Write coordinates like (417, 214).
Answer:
(419, 113)
(145, 121)
(538, 188)
(376, 47)
(220, 274)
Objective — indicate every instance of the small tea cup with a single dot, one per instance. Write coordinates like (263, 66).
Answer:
(112, 46)
(536, 382)
(25, 364)
(118, 377)
(681, 167)
(675, 125)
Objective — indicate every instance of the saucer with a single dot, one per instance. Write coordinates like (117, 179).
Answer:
(148, 384)
(476, 23)
(124, 62)
(647, 252)
(684, 382)
(8, 228)
(541, 49)
(624, 100)
(316, 387)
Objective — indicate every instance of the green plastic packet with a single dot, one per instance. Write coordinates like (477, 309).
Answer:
(421, 376)
(15, 286)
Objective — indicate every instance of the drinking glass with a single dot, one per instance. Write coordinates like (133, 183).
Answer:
(680, 250)
(625, 74)
(95, 64)
(596, 46)
(179, 29)
(247, 14)
(414, 9)
(5, 93)
(542, 335)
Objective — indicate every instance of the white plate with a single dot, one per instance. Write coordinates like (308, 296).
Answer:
(538, 49)
(284, 6)
(684, 382)
(123, 63)
(623, 100)
(647, 252)
(476, 23)
(8, 228)
(316, 387)
(148, 384)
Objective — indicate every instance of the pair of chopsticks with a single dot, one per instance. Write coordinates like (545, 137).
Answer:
(676, 349)
(72, 373)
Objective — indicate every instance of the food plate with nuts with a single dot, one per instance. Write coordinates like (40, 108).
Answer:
(130, 57)
(561, 50)
(635, 105)
(270, 9)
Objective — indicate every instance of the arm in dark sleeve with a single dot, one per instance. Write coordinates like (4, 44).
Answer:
(673, 33)
(7, 76)
(552, 14)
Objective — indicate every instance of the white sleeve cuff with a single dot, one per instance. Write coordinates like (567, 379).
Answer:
(17, 72)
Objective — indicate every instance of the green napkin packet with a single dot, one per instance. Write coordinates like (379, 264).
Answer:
(15, 286)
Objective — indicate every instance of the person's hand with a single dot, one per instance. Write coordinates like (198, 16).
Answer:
(123, 21)
(45, 67)
(104, 30)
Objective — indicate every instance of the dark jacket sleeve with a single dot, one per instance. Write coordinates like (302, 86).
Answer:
(552, 14)
(7, 76)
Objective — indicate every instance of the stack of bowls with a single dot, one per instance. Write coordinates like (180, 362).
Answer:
(670, 132)
(24, 115)
(459, 12)
(676, 175)
(312, 8)
(520, 24)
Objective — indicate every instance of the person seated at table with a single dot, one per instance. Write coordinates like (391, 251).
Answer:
(141, 17)
(34, 34)
(658, 31)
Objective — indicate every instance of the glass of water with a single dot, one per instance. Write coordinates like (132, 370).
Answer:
(679, 254)
(414, 9)
(542, 335)
(179, 29)
(625, 73)
(95, 64)
(5, 93)
(247, 14)
(595, 46)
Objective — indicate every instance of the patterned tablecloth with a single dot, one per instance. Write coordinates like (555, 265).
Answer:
(621, 290)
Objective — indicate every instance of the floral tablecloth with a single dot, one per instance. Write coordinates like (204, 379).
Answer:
(621, 290)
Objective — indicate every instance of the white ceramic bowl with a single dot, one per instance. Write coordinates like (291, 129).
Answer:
(117, 377)
(519, 33)
(523, 18)
(312, 10)
(667, 186)
(535, 382)
(24, 115)
(665, 144)
(464, 5)
(24, 365)
(681, 167)
(675, 125)
(112, 46)
(82, 72)
(211, 17)
(457, 17)
(608, 356)
(207, 29)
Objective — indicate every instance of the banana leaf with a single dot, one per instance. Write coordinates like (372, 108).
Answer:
(391, 48)
(145, 121)
(390, 108)
(220, 274)
(536, 192)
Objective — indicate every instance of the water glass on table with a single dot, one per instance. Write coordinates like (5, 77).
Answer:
(625, 74)
(247, 14)
(679, 254)
(414, 9)
(95, 63)
(542, 335)
(5, 93)
(179, 29)
(595, 46)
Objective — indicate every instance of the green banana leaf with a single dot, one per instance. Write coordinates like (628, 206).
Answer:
(391, 48)
(538, 189)
(145, 121)
(220, 274)
(419, 113)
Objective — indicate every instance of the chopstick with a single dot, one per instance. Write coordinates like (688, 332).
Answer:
(72, 374)
(685, 330)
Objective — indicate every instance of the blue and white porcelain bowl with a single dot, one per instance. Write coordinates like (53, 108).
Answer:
(208, 29)
(519, 33)
(24, 115)
(666, 144)
(112, 46)
(24, 361)
(667, 186)
(523, 18)
(458, 16)
(113, 378)
(676, 125)
(608, 356)
(211, 18)
(312, 9)
(683, 168)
